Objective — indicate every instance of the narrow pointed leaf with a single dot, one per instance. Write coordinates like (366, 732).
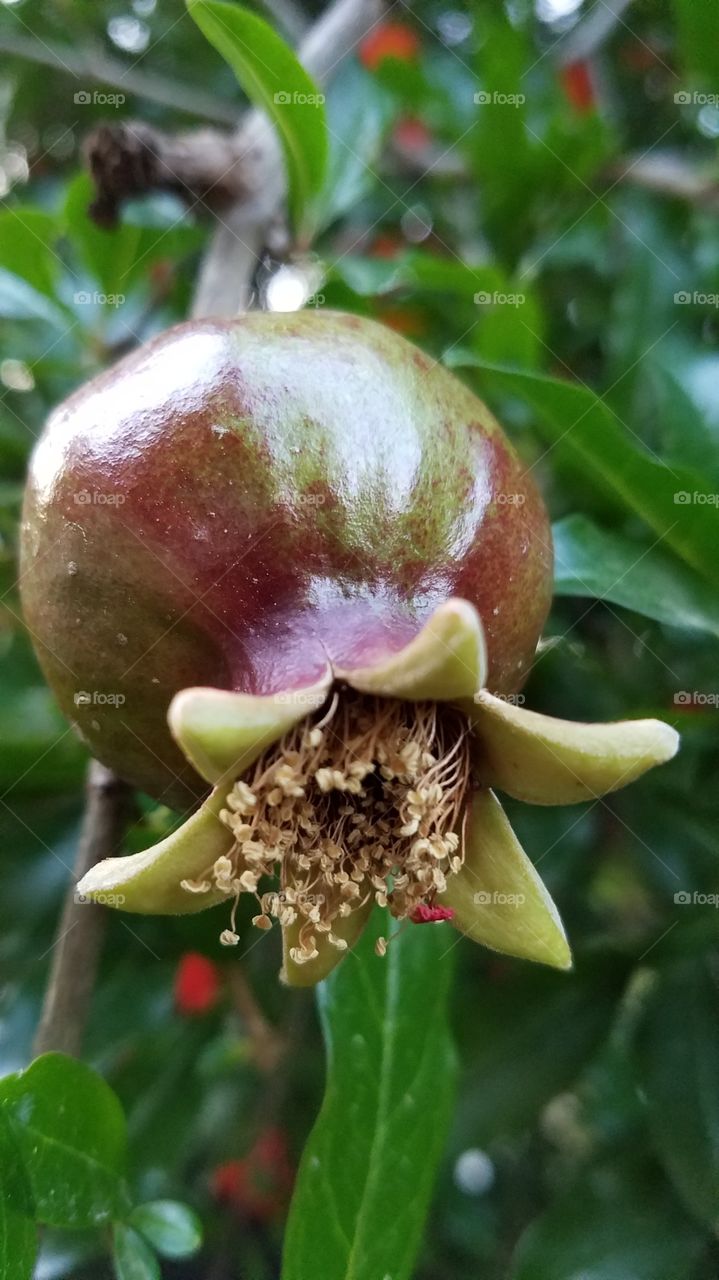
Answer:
(150, 882)
(222, 732)
(371, 1159)
(543, 760)
(278, 84)
(675, 501)
(498, 897)
(596, 564)
(447, 661)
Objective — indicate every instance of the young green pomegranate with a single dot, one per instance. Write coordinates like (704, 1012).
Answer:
(291, 557)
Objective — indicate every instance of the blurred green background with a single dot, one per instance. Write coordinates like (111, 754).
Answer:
(529, 185)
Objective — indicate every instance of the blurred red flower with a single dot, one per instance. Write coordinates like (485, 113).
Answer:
(578, 86)
(259, 1185)
(197, 984)
(389, 40)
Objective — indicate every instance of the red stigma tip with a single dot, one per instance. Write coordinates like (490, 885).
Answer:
(424, 914)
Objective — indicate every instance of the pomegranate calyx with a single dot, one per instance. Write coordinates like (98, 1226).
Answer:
(544, 760)
(498, 897)
(150, 882)
(445, 662)
(222, 733)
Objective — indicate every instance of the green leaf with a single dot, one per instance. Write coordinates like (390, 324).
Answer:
(118, 259)
(172, 1228)
(133, 1259)
(679, 1075)
(277, 83)
(18, 1233)
(595, 564)
(370, 1162)
(70, 1132)
(27, 237)
(676, 502)
(698, 33)
(359, 114)
(618, 1222)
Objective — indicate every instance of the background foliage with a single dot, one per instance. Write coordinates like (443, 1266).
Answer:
(530, 193)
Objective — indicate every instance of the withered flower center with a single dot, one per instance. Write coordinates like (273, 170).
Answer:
(365, 801)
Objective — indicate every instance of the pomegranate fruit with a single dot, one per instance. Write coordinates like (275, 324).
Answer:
(291, 557)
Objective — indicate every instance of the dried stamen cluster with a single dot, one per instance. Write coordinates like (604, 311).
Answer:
(366, 802)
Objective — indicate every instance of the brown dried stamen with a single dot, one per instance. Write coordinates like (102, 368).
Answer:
(366, 802)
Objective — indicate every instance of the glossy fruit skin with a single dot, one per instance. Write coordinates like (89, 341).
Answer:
(241, 500)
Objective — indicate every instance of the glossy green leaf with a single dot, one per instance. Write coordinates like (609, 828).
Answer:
(596, 564)
(277, 83)
(133, 1258)
(171, 1228)
(619, 1222)
(675, 502)
(70, 1133)
(359, 113)
(369, 1165)
(18, 1233)
(679, 1075)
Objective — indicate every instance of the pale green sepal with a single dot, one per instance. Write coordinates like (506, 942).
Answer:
(222, 733)
(543, 760)
(149, 882)
(309, 974)
(497, 897)
(445, 662)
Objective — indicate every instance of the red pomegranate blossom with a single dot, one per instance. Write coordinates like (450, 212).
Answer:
(316, 572)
